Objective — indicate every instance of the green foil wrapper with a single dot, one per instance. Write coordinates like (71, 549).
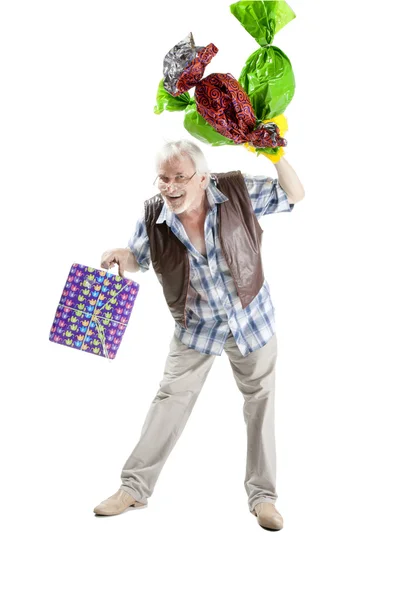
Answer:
(267, 76)
(165, 101)
(268, 79)
(193, 121)
(200, 129)
(262, 19)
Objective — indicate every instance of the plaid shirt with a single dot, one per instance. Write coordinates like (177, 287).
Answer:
(213, 307)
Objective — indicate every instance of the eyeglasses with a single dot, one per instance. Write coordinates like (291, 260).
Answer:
(179, 181)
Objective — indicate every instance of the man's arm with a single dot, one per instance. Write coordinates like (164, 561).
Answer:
(131, 264)
(289, 181)
(133, 258)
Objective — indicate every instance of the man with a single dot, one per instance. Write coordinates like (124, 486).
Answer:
(202, 236)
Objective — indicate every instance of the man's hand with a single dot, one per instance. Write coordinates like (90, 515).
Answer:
(122, 257)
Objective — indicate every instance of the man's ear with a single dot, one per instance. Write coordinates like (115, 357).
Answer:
(203, 182)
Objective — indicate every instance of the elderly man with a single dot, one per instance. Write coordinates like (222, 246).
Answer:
(202, 236)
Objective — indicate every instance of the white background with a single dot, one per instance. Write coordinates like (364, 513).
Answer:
(78, 137)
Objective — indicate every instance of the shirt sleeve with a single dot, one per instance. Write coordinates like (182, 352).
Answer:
(139, 245)
(266, 195)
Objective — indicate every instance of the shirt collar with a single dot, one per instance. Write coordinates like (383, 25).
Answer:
(214, 196)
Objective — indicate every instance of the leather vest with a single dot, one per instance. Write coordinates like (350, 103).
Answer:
(240, 236)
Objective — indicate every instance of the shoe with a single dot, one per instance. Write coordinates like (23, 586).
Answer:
(267, 516)
(116, 504)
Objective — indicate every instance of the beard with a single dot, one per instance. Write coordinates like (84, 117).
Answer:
(176, 205)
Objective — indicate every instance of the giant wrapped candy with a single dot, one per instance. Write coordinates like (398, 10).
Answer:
(224, 110)
(220, 99)
(93, 311)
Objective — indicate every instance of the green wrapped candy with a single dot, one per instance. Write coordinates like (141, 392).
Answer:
(267, 76)
(268, 79)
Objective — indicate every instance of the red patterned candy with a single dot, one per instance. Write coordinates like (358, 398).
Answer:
(224, 104)
(220, 99)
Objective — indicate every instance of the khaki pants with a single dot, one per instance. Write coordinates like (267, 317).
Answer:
(185, 373)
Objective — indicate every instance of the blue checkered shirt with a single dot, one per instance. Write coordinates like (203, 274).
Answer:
(213, 307)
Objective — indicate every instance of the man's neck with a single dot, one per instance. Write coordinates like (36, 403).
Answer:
(197, 210)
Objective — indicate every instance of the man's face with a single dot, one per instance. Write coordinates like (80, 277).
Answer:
(179, 185)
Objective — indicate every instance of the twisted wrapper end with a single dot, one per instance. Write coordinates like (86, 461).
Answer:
(267, 135)
(184, 65)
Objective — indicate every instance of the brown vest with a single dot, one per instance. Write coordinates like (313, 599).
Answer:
(240, 236)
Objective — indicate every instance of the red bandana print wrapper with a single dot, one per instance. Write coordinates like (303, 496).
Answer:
(220, 99)
(224, 104)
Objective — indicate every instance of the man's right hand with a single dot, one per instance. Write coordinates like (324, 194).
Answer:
(122, 257)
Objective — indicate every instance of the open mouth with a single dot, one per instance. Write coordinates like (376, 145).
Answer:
(174, 198)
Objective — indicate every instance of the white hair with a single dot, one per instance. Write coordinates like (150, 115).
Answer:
(180, 148)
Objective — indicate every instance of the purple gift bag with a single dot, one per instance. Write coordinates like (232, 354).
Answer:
(94, 311)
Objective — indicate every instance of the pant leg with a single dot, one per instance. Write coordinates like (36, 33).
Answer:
(185, 373)
(255, 377)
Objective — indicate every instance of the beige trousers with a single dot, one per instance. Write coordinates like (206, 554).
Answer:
(185, 373)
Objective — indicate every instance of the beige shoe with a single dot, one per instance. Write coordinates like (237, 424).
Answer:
(267, 516)
(116, 504)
